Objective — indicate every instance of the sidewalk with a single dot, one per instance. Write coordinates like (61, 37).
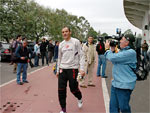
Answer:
(40, 96)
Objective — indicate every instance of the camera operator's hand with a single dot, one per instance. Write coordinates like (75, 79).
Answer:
(107, 44)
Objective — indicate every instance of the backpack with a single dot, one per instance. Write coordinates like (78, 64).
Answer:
(100, 48)
(141, 71)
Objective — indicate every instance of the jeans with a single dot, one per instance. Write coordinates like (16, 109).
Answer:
(144, 53)
(148, 54)
(45, 54)
(24, 74)
(36, 60)
(101, 63)
(119, 100)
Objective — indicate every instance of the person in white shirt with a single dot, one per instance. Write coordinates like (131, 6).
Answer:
(70, 59)
(37, 53)
(89, 50)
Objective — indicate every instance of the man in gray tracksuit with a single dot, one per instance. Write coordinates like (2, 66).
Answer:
(70, 59)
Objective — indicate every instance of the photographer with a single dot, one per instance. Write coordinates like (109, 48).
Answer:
(124, 79)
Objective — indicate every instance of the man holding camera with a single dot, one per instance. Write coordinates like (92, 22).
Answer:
(124, 79)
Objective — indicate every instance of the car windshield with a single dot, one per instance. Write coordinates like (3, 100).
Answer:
(6, 46)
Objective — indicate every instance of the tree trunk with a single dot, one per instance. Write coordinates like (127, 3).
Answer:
(7, 40)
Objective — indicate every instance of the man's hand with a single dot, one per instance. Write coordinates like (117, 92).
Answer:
(22, 58)
(82, 73)
(57, 74)
(107, 44)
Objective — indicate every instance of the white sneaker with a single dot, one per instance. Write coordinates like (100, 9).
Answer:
(80, 103)
(62, 112)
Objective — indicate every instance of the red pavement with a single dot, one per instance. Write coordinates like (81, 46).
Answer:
(40, 96)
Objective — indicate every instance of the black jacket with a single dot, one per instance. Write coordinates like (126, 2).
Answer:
(22, 52)
(100, 50)
(43, 47)
(51, 48)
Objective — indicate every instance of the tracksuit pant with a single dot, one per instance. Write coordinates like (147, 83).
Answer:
(71, 76)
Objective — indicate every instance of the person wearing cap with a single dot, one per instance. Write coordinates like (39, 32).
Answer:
(124, 79)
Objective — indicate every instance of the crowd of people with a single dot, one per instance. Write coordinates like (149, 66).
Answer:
(74, 58)
(124, 61)
(22, 54)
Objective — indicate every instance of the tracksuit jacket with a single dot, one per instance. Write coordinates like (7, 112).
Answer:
(70, 55)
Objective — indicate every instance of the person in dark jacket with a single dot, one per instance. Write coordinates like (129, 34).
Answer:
(22, 54)
(144, 50)
(43, 51)
(56, 51)
(15, 44)
(100, 48)
(50, 51)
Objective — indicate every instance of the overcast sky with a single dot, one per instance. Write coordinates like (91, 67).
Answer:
(103, 15)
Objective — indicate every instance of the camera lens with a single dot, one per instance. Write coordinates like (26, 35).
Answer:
(113, 43)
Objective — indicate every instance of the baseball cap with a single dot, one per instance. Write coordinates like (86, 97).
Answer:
(130, 37)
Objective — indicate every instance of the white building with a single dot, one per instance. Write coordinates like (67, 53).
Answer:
(138, 14)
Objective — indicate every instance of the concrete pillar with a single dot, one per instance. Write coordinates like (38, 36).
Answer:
(146, 21)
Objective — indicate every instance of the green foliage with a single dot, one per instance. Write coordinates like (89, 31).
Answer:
(104, 34)
(33, 21)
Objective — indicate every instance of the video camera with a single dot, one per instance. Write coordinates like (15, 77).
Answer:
(100, 39)
(114, 40)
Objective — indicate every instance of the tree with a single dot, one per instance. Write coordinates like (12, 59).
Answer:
(92, 32)
(99, 33)
(33, 21)
(104, 34)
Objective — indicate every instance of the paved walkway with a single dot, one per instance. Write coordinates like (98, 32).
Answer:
(40, 96)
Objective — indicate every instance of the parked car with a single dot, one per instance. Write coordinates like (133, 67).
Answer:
(5, 53)
(31, 45)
